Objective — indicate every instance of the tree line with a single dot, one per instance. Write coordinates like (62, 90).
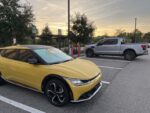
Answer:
(136, 36)
(16, 21)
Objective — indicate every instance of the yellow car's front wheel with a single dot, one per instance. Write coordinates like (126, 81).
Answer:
(57, 92)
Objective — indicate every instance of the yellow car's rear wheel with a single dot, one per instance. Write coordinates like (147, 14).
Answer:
(57, 92)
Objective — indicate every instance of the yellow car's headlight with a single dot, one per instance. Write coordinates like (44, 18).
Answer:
(77, 82)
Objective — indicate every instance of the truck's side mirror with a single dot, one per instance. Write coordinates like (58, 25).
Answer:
(122, 42)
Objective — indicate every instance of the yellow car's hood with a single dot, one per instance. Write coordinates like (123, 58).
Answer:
(79, 68)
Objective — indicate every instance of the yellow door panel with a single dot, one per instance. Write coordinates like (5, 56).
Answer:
(6, 68)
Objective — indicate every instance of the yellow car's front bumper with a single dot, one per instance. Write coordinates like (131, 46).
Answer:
(87, 91)
(89, 95)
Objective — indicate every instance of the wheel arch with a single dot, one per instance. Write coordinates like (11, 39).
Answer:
(89, 49)
(129, 50)
(53, 76)
(1, 74)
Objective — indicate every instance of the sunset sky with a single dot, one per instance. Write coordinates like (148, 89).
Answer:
(107, 15)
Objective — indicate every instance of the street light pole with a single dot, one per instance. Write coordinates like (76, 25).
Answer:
(69, 26)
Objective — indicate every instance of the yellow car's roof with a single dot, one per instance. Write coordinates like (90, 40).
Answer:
(27, 47)
(15, 47)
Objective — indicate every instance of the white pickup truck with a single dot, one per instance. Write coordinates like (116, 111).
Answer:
(117, 47)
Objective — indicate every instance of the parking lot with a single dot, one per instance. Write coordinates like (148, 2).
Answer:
(126, 89)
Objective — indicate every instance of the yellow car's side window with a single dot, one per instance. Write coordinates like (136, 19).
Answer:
(10, 54)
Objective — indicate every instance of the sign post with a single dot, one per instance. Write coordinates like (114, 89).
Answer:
(69, 27)
(14, 41)
(34, 31)
(59, 37)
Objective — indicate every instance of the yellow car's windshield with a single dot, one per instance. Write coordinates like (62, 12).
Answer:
(52, 55)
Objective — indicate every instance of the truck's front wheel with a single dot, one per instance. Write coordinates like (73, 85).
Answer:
(89, 53)
(129, 55)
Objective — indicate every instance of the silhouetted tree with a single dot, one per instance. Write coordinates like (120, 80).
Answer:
(139, 33)
(121, 33)
(147, 37)
(82, 30)
(105, 35)
(136, 37)
(46, 36)
(15, 20)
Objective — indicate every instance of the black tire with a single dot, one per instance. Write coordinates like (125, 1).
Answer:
(2, 82)
(89, 53)
(96, 55)
(57, 92)
(129, 55)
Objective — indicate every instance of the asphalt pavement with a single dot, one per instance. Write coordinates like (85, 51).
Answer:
(126, 89)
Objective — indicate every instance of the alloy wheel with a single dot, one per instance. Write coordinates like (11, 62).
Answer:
(55, 93)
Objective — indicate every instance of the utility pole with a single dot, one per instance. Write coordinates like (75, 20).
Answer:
(69, 26)
(135, 30)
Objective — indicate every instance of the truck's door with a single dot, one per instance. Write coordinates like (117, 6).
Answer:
(108, 47)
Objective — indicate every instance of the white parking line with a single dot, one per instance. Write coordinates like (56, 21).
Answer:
(114, 60)
(110, 67)
(105, 82)
(19, 105)
(103, 59)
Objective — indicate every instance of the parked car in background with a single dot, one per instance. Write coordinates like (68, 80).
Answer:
(117, 47)
(50, 71)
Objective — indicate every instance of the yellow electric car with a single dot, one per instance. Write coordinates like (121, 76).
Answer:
(50, 71)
